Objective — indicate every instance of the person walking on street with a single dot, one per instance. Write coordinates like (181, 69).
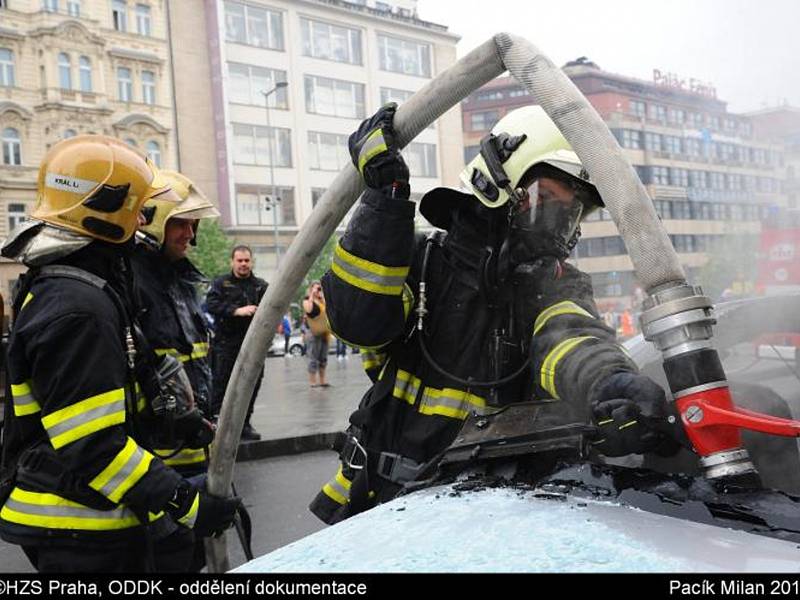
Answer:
(232, 300)
(286, 328)
(80, 490)
(319, 334)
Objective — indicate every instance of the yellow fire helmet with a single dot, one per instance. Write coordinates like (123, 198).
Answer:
(95, 185)
(191, 204)
(530, 138)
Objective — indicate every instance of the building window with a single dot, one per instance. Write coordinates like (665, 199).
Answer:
(402, 56)
(64, 71)
(6, 67)
(693, 146)
(659, 175)
(252, 209)
(143, 19)
(631, 139)
(676, 116)
(652, 141)
(154, 153)
(637, 108)
(247, 82)
(483, 121)
(331, 42)
(74, 8)
(327, 151)
(658, 112)
(50, 5)
(131, 142)
(148, 87)
(399, 96)
(672, 144)
(119, 15)
(16, 215)
(85, 68)
(254, 145)
(421, 159)
(68, 133)
(679, 177)
(124, 84)
(12, 147)
(470, 152)
(253, 25)
(334, 97)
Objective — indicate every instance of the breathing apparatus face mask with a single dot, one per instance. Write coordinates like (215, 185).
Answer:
(546, 218)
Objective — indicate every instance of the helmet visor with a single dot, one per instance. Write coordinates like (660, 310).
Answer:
(549, 207)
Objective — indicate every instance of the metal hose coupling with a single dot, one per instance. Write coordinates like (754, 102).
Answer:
(679, 320)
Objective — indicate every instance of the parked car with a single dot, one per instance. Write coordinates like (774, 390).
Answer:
(515, 492)
(296, 345)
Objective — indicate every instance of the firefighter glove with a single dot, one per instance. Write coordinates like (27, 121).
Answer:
(207, 514)
(194, 430)
(373, 148)
(633, 417)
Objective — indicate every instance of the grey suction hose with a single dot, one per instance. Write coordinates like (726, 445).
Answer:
(655, 260)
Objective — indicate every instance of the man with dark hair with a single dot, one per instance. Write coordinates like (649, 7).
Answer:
(232, 301)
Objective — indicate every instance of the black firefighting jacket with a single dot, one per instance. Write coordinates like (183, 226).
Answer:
(226, 294)
(81, 472)
(173, 323)
(545, 310)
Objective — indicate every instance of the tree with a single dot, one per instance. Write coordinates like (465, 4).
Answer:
(212, 255)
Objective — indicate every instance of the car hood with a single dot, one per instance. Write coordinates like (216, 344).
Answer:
(445, 530)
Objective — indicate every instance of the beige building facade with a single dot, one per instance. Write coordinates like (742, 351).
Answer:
(69, 67)
(340, 61)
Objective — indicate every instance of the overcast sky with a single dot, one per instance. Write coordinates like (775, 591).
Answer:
(748, 49)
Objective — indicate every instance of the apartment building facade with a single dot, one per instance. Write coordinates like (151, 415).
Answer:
(69, 67)
(327, 64)
(706, 170)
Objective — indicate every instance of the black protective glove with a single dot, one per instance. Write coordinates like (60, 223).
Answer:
(206, 514)
(193, 429)
(373, 148)
(631, 413)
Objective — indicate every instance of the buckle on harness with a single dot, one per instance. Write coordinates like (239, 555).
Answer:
(351, 451)
(398, 469)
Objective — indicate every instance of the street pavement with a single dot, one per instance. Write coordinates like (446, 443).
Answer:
(279, 476)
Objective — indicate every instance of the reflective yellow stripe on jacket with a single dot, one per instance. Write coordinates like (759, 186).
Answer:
(186, 456)
(372, 360)
(338, 488)
(406, 386)
(123, 472)
(449, 402)
(24, 402)
(548, 371)
(567, 307)
(199, 350)
(369, 276)
(83, 418)
(37, 509)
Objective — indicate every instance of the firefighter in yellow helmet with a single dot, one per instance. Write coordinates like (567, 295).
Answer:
(485, 313)
(80, 491)
(170, 313)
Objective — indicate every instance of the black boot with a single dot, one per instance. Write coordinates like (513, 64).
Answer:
(249, 434)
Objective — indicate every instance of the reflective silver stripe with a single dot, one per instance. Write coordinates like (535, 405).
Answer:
(372, 360)
(368, 275)
(39, 509)
(123, 472)
(338, 488)
(449, 402)
(24, 402)
(85, 417)
(374, 145)
(406, 386)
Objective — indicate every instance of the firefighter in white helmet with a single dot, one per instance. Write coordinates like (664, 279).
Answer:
(80, 490)
(483, 314)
